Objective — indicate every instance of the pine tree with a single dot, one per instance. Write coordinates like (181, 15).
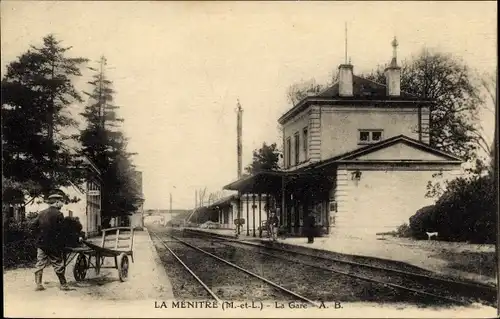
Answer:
(37, 93)
(105, 144)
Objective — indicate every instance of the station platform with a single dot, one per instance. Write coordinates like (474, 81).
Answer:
(97, 296)
(442, 258)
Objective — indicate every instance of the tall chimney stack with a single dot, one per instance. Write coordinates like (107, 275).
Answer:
(393, 73)
(345, 80)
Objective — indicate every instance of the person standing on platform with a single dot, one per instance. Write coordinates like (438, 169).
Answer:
(112, 222)
(273, 223)
(309, 227)
(48, 228)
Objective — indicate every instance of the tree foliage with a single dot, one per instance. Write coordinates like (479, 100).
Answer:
(265, 159)
(37, 95)
(449, 82)
(466, 211)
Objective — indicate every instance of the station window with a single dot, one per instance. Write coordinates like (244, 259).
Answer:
(288, 152)
(297, 148)
(370, 136)
(305, 140)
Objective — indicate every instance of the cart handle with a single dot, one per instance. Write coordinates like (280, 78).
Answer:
(115, 228)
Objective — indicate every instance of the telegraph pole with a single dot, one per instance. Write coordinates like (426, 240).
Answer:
(102, 100)
(239, 133)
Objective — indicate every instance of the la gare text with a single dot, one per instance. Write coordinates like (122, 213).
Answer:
(229, 305)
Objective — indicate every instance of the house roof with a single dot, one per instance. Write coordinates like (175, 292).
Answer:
(364, 89)
(365, 93)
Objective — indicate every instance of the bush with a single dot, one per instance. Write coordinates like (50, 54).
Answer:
(465, 212)
(19, 244)
(423, 221)
(404, 231)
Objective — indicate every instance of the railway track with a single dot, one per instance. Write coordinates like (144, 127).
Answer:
(420, 284)
(284, 290)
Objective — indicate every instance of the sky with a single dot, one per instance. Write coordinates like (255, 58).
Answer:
(179, 67)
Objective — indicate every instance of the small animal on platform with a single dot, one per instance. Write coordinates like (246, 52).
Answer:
(430, 235)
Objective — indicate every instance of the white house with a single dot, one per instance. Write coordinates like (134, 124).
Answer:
(88, 207)
(356, 155)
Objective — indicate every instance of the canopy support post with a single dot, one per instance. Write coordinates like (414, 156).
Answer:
(283, 201)
(260, 215)
(248, 213)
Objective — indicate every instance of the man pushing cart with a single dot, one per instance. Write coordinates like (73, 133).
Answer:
(48, 229)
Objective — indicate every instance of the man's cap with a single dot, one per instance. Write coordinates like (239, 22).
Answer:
(55, 196)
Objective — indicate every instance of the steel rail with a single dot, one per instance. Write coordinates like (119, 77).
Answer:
(249, 273)
(188, 269)
(390, 285)
(484, 288)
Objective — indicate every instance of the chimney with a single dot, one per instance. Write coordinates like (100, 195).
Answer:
(393, 73)
(345, 79)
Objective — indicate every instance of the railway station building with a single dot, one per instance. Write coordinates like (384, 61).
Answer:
(357, 155)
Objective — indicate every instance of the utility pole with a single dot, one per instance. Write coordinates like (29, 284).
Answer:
(102, 100)
(239, 131)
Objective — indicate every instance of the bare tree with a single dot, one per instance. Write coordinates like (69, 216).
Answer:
(487, 84)
(298, 91)
(201, 196)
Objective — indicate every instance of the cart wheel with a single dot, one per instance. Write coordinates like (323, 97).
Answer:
(123, 266)
(81, 266)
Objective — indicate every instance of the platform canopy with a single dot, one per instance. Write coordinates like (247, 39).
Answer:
(267, 182)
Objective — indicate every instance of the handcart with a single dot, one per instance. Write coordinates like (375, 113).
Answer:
(93, 256)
